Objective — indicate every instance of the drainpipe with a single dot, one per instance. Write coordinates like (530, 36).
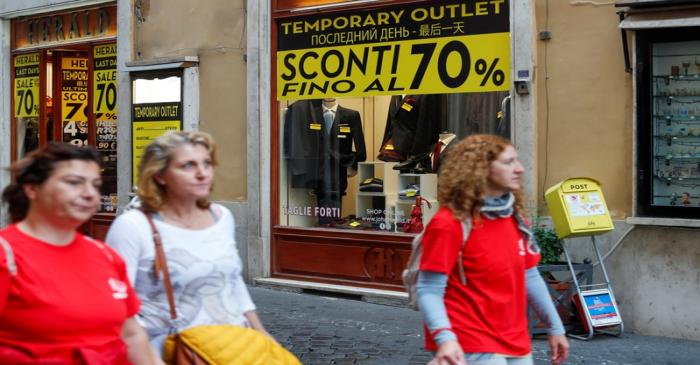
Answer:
(625, 46)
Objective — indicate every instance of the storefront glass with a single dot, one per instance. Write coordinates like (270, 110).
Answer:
(676, 123)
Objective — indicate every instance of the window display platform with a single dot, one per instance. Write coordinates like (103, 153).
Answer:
(340, 257)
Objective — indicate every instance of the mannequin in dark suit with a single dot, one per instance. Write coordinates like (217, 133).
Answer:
(414, 122)
(346, 131)
(317, 161)
(300, 146)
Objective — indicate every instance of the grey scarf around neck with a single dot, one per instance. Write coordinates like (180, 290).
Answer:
(502, 207)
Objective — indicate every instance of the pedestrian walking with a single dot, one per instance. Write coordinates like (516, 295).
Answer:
(175, 179)
(476, 312)
(64, 298)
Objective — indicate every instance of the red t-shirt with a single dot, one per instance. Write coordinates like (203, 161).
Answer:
(489, 313)
(65, 304)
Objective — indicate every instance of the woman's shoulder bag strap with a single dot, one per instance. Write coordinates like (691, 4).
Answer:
(161, 265)
(466, 230)
(9, 256)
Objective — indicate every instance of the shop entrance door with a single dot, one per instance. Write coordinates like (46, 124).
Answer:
(73, 121)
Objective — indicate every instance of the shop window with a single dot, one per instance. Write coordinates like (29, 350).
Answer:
(370, 106)
(669, 123)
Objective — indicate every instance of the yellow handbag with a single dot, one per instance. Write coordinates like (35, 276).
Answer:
(227, 344)
(216, 344)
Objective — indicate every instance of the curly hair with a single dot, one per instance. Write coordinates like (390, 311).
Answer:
(156, 159)
(465, 174)
(37, 167)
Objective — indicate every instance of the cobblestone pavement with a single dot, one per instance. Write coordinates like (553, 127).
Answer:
(320, 329)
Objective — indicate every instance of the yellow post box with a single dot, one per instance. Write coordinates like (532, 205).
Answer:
(578, 208)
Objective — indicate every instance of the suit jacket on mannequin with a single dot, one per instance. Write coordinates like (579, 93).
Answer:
(304, 145)
(346, 130)
(300, 148)
(414, 122)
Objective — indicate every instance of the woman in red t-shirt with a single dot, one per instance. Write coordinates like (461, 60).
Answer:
(478, 315)
(64, 298)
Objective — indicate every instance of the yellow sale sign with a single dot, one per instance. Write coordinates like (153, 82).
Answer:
(105, 78)
(26, 85)
(451, 46)
(477, 63)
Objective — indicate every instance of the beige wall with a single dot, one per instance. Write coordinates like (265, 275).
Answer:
(215, 33)
(657, 282)
(590, 101)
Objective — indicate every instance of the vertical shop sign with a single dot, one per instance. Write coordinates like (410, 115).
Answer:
(151, 120)
(105, 73)
(451, 46)
(105, 108)
(74, 100)
(26, 85)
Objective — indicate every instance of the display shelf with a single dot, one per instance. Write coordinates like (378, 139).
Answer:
(381, 170)
(674, 131)
(676, 136)
(680, 158)
(370, 193)
(385, 209)
(377, 207)
(679, 137)
(672, 97)
(678, 78)
(427, 183)
(677, 118)
(678, 178)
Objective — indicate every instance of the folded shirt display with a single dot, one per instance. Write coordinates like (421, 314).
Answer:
(409, 192)
(372, 185)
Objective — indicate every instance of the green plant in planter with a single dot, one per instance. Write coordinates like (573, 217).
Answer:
(550, 252)
(550, 245)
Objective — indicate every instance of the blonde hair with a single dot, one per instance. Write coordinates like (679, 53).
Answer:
(156, 159)
(465, 174)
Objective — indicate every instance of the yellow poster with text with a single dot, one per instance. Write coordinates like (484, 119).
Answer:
(26, 85)
(142, 134)
(105, 76)
(460, 64)
(74, 100)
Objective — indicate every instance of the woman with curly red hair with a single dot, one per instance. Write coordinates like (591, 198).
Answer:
(476, 312)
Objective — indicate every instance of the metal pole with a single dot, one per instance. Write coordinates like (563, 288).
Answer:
(600, 261)
(571, 266)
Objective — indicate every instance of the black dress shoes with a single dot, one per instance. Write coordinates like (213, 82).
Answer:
(418, 164)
